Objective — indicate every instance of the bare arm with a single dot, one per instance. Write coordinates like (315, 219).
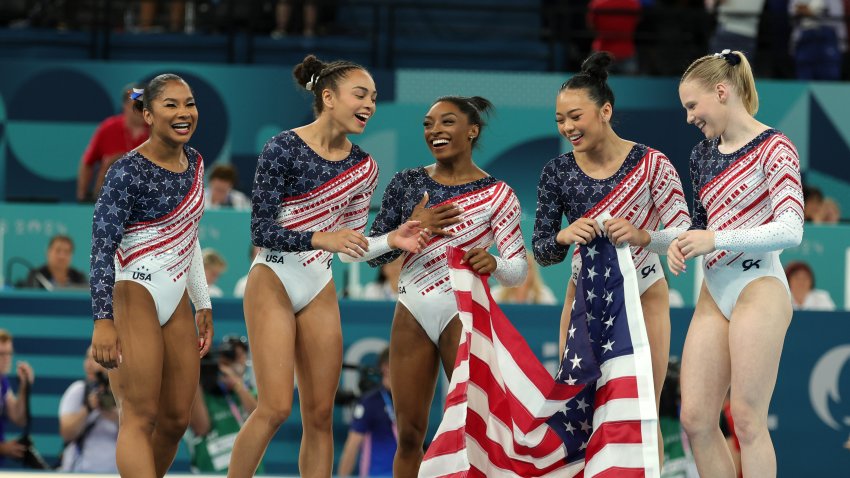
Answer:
(349, 453)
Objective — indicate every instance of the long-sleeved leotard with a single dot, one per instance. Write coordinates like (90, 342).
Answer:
(752, 198)
(145, 229)
(645, 190)
(491, 215)
(296, 193)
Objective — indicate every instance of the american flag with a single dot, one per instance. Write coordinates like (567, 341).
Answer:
(505, 416)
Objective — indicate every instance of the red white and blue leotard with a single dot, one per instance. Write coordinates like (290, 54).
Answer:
(645, 190)
(145, 229)
(753, 201)
(296, 193)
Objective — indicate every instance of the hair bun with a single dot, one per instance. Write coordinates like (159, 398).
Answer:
(596, 65)
(305, 71)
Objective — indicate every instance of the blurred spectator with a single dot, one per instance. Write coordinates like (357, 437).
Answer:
(804, 296)
(283, 16)
(241, 357)
(239, 289)
(737, 25)
(678, 458)
(148, 14)
(727, 427)
(57, 273)
(114, 137)
(222, 404)
(385, 286)
(614, 23)
(373, 433)
(88, 422)
(532, 291)
(11, 407)
(220, 192)
(818, 209)
(214, 266)
(818, 38)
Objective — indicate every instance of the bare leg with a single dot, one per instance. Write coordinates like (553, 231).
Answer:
(655, 302)
(137, 380)
(756, 335)
(705, 379)
(413, 377)
(318, 363)
(180, 375)
(271, 332)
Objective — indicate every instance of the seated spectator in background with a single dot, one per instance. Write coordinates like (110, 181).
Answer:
(58, 271)
(222, 404)
(148, 14)
(114, 137)
(614, 22)
(373, 430)
(737, 25)
(88, 422)
(11, 407)
(283, 16)
(818, 38)
(678, 458)
(239, 289)
(801, 281)
(214, 266)
(220, 192)
(532, 291)
(385, 286)
(818, 209)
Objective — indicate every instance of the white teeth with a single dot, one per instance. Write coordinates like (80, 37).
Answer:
(575, 137)
(362, 117)
(180, 125)
(440, 142)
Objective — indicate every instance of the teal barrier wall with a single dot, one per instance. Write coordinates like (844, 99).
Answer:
(809, 414)
(26, 229)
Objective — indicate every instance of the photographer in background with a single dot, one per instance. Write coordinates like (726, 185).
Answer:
(221, 406)
(88, 422)
(12, 407)
(373, 429)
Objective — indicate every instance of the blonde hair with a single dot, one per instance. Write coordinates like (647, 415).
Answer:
(213, 258)
(724, 68)
(5, 336)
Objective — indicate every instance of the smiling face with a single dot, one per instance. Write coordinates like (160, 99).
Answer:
(581, 120)
(448, 132)
(705, 108)
(173, 115)
(353, 103)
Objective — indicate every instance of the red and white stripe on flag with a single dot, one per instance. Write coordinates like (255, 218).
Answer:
(500, 398)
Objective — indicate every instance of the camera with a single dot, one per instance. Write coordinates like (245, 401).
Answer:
(210, 371)
(370, 379)
(100, 386)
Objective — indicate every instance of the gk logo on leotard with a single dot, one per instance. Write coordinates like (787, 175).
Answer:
(274, 258)
(749, 264)
(647, 270)
(330, 262)
(141, 276)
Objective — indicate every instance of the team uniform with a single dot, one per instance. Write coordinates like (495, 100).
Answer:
(491, 215)
(145, 230)
(645, 190)
(753, 201)
(374, 418)
(296, 193)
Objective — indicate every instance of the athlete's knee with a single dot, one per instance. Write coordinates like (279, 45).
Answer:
(172, 424)
(697, 421)
(750, 424)
(318, 416)
(411, 436)
(138, 416)
(274, 412)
